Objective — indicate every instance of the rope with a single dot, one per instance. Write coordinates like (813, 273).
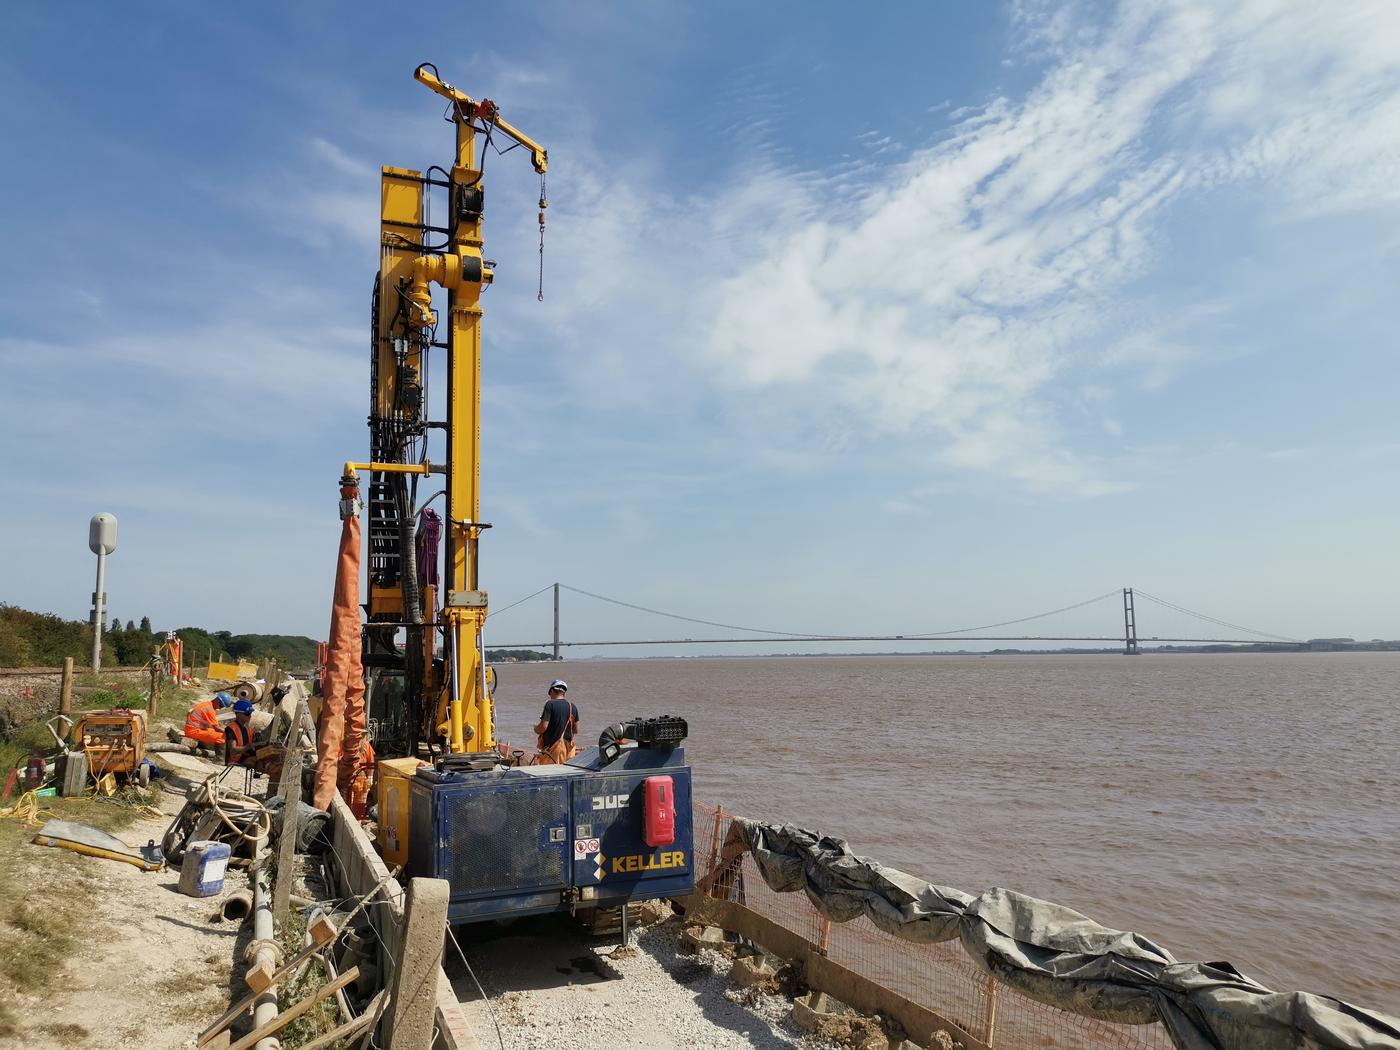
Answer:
(500, 1038)
(214, 793)
(279, 956)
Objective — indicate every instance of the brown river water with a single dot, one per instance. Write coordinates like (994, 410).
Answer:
(1235, 807)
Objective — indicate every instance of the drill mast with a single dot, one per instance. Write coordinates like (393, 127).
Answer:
(446, 700)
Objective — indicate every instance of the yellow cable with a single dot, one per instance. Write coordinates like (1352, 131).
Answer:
(26, 807)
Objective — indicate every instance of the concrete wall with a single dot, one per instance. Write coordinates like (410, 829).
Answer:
(361, 868)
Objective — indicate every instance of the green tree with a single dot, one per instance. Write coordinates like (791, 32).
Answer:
(146, 624)
(14, 648)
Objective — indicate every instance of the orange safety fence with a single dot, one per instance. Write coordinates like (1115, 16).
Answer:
(939, 977)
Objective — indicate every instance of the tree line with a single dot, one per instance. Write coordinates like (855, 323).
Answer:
(31, 639)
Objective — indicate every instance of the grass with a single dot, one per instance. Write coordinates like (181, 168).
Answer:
(325, 1015)
(90, 693)
(31, 739)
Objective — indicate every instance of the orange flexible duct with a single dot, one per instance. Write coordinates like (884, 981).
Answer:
(340, 731)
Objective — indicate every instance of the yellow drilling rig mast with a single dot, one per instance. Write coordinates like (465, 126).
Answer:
(418, 697)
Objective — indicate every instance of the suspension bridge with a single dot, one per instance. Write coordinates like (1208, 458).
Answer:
(1127, 639)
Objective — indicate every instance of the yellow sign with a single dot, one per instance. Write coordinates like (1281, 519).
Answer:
(232, 672)
(647, 862)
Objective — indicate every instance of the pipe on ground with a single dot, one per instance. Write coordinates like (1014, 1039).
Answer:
(238, 906)
(265, 950)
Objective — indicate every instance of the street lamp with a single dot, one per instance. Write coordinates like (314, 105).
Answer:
(102, 541)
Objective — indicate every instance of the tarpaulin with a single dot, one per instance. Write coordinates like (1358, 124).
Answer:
(341, 727)
(1057, 956)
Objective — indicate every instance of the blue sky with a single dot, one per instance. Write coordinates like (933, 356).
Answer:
(944, 314)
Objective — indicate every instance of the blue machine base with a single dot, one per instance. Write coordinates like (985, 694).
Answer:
(539, 839)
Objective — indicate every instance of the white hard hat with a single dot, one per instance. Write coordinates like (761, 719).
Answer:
(559, 683)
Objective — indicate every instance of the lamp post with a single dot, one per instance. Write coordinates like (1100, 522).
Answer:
(102, 541)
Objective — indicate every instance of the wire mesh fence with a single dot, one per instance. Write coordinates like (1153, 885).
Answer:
(939, 977)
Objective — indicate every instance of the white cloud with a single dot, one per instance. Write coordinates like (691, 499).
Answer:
(947, 298)
(951, 292)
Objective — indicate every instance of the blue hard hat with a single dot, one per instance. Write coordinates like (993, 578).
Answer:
(224, 699)
(243, 707)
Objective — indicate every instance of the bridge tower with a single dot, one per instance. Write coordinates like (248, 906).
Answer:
(1130, 646)
(556, 621)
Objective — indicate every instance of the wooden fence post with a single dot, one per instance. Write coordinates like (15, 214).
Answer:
(153, 704)
(989, 1019)
(714, 843)
(65, 694)
(291, 803)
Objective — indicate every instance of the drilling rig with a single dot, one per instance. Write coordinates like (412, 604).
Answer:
(441, 701)
(614, 823)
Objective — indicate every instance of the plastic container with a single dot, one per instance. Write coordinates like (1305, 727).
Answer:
(202, 870)
(34, 774)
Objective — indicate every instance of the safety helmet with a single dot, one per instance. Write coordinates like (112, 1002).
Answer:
(559, 684)
(243, 707)
(224, 699)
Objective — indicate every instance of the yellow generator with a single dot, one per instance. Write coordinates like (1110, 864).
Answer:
(393, 775)
(114, 742)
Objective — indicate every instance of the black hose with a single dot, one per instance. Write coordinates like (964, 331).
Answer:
(610, 741)
(408, 556)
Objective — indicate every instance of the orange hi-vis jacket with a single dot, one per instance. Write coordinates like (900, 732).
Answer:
(236, 739)
(203, 725)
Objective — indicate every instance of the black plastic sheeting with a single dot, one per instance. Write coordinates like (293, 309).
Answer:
(1057, 956)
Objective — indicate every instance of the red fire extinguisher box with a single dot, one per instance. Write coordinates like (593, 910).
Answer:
(659, 813)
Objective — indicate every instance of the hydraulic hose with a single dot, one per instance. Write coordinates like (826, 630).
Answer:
(408, 553)
(610, 741)
(664, 731)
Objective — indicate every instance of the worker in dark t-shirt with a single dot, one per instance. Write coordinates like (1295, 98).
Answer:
(554, 732)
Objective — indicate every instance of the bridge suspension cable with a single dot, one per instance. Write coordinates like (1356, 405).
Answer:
(692, 619)
(794, 635)
(512, 605)
(1211, 619)
(1007, 623)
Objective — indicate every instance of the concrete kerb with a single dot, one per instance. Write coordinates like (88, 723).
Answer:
(362, 868)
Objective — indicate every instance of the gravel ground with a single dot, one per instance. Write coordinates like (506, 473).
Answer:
(151, 966)
(553, 986)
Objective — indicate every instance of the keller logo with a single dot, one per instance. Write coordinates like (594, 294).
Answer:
(638, 862)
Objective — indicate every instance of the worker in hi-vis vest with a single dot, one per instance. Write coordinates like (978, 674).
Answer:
(202, 723)
(239, 748)
(554, 732)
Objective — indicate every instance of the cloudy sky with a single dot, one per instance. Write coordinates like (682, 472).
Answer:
(941, 315)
